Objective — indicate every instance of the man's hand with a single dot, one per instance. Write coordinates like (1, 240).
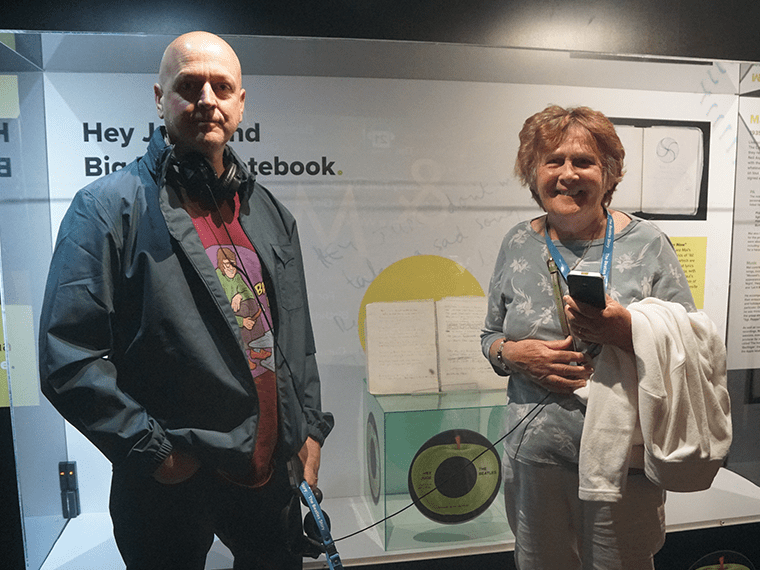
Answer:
(310, 456)
(176, 468)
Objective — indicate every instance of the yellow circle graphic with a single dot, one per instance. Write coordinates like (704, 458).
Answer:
(416, 278)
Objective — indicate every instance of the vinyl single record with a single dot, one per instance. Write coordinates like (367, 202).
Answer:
(455, 476)
(723, 560)
(373, 458)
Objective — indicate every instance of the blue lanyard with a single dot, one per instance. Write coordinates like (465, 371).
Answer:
(331, 552)
(609, 238)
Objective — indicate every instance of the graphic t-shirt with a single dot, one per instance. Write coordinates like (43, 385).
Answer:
(239, 270)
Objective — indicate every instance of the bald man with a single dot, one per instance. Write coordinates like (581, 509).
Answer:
(199, 95)
(141, 340)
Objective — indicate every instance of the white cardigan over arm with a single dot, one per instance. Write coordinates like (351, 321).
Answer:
(670, 395)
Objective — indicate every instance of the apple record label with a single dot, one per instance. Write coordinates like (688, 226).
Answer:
(455, 476)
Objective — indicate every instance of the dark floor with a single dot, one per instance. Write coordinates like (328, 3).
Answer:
(682, 549)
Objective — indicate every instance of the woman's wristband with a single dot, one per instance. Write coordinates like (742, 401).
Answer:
(500, 356)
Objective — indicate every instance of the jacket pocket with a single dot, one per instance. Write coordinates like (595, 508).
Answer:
(290, 293)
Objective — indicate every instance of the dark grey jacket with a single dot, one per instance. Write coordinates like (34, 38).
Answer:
(139, 347)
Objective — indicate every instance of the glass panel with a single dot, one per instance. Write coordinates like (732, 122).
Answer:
(384, 151)
(744, 386)
(38, 429)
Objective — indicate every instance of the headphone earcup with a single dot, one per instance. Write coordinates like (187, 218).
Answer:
(310, 527)
(196, 175)
(229, 181)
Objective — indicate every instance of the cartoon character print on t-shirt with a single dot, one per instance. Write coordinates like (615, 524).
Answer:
(249, 304)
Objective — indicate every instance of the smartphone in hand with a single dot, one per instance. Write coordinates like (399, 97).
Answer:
(587, 287)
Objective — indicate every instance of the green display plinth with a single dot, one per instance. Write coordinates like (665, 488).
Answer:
(433, 448)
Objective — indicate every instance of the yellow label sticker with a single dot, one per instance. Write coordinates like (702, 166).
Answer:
(19, 358)
(692, 253)
(9, 101)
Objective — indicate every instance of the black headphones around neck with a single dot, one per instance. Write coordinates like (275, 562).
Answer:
(194, 173)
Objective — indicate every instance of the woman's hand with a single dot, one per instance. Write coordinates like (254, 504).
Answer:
(552, 364)
(611, 325)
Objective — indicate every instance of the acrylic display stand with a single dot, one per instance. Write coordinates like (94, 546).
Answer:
(397, 427)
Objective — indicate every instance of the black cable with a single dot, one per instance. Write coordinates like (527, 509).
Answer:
(525, 429)
(240, 266)
(491, 446)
